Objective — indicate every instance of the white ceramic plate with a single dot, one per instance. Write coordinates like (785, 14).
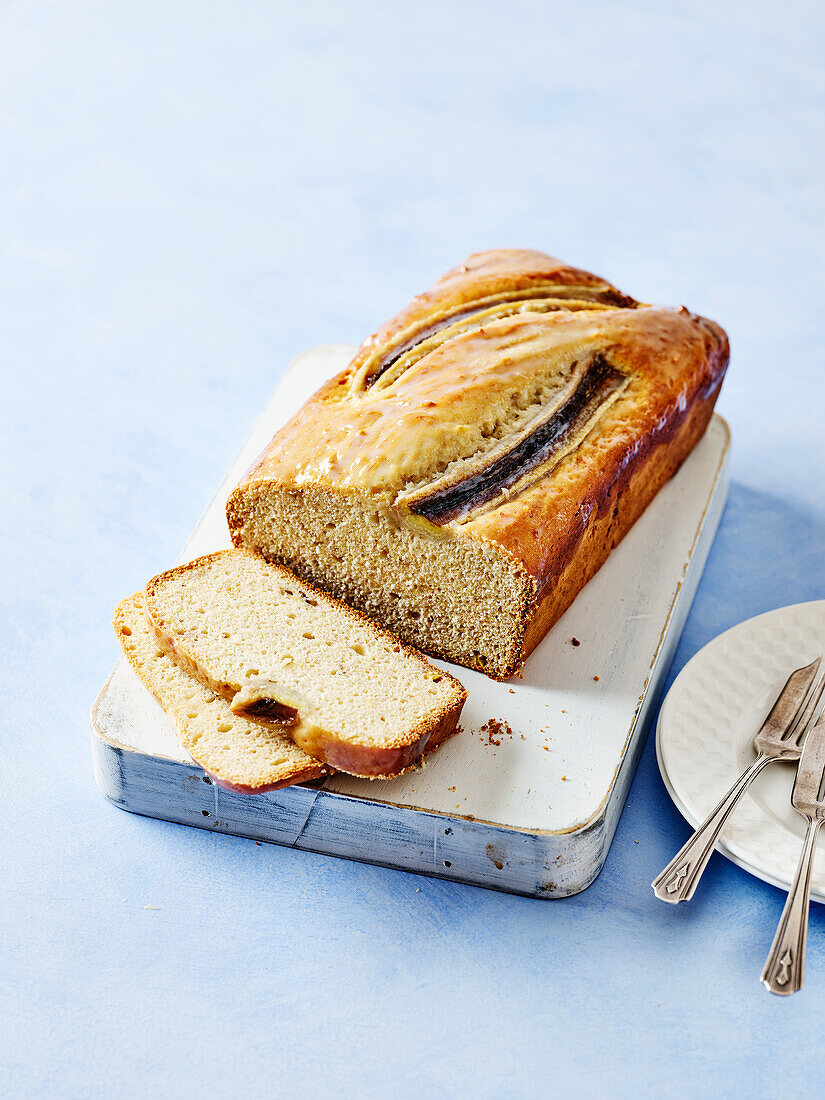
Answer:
(704, 738)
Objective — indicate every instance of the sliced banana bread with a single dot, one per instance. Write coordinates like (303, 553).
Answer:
(239, 754)
(281, 652)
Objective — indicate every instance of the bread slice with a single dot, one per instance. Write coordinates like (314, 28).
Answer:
(237, 753)
(278, 650)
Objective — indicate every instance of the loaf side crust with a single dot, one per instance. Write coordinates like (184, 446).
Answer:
(621, 505)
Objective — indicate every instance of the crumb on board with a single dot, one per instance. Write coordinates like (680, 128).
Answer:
(595, 677)
(564, 779)
(575, 641)
(495, 729)
(512, 691)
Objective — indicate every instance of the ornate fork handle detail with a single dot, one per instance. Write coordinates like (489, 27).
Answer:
(680, 878)
(784, 970)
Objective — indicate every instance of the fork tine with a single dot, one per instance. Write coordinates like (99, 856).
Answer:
(801, 717)
(790, 701)
(805, 720)
(810, 772)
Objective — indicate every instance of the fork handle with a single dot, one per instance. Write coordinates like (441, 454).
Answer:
(680, 878)
(784, 970)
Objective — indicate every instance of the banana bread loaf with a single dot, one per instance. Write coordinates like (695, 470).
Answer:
(483, 452)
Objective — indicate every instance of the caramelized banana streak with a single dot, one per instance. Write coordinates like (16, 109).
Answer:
(453, 502)
(607, 297)
(270, 711)
(390, 360)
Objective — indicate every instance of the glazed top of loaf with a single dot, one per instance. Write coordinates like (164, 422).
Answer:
(512, 388)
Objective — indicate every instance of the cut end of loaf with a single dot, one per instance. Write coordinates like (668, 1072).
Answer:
(462, 599)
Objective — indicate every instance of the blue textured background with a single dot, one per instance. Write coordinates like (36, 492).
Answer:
(190, 194)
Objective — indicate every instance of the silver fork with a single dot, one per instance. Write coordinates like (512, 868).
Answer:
(784, 970)
(780, 738)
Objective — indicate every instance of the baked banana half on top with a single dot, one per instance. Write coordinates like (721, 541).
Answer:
(482, 454)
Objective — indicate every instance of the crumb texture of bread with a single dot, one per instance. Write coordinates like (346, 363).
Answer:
(238, 754)
(279, 651)
(465, 600)
(475, 463)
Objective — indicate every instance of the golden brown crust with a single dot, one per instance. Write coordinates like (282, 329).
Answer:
(380, 440)
(483, 274)
(374, 762)
(341, 754)
(621, 505)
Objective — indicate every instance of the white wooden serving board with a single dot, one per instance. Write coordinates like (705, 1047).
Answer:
(532, 811)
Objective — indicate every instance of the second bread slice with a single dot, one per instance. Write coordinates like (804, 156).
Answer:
(347, 692)
(239, 755)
